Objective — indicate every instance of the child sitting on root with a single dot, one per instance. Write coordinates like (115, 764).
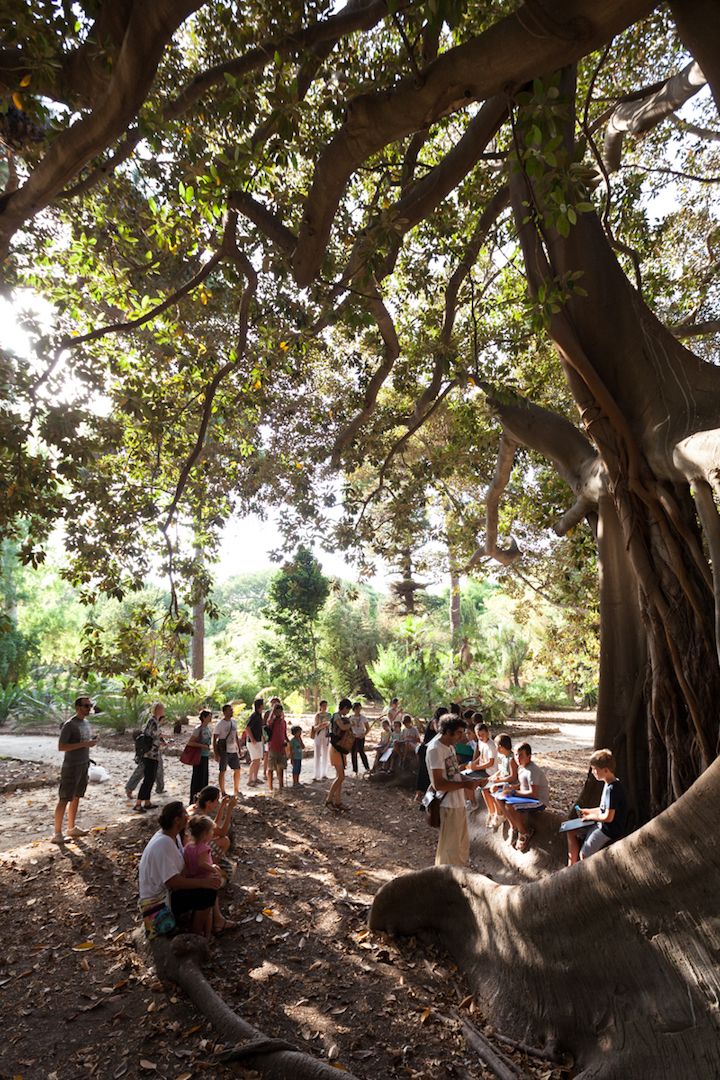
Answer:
(383, 743)
(199, 858)
(506, 774)
(607, 821)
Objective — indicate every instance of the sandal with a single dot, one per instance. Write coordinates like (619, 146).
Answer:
(151, 805)
(512, 837)
(226, 927)
(524, 840)
(343, 807)
(331, 805)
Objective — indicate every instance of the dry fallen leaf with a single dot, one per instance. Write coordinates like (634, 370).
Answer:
(84, 964)
(424, 1015)
(145, 1064)
(83, 945)
(121, 1070)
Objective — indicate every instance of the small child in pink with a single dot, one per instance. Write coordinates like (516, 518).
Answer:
(198, 857)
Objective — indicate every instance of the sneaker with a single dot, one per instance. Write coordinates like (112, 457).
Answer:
(469, 805)
(77, 831)
(58, 838)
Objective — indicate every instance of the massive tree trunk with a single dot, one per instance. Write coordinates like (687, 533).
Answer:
(614, 960)
(622, 707)
(651, 408)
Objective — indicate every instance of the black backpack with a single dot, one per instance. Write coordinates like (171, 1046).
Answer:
(143, 743)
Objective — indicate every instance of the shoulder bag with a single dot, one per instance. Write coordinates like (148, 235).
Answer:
(191, 755)
(431, 802)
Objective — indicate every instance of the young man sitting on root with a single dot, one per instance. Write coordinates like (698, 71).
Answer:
(607, 821)
(531, 785)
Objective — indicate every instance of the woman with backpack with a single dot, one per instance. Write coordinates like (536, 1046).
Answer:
(341, 741)
(151, 732)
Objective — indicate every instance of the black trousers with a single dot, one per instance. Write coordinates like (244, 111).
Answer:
(151, 766)
(358, 747)
(199, 777)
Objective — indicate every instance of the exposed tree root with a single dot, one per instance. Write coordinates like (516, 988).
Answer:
(177, 960)
(614, 960)
(503, 1067)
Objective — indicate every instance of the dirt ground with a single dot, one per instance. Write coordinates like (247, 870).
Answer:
(78, 1000)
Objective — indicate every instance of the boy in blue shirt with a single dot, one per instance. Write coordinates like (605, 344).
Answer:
(607, 821)
(296, 752)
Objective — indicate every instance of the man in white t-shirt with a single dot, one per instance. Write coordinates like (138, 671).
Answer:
(226, 732)
(532, 784)
(442, 764)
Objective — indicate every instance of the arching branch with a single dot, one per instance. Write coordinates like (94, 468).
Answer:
(149, 29)
(502, 58)
(638, 117)
(490, 549)
(386, 327)
(701, 329)
(229, 250)
(101, 172)
(354, 16)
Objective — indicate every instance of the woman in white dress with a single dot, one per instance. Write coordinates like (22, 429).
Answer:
(321, 737)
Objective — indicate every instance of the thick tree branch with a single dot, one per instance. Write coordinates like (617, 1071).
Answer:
(699, 29)
(101, 172)
(265, 220)
(392, 351)
(354, 16)
(638, 117)
(503, 469)
(701, 329)
(149, 30)
(502, 58)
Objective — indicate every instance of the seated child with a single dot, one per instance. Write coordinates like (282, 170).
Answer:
(199, 859)
(395, 739)
(505, 774)
(530, 792)
(608, 820)
(486, 754)
(409, 740)
(296, 751)
(484, 762)
(383, 743)
(464, 748)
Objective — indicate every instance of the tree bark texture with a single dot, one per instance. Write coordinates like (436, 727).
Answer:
(651, 408)
(622, 712)
(614, 960)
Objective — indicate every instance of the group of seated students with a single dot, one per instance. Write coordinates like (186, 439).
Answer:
(397, 745)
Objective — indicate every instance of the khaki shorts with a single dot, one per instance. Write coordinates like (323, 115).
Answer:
(277, 760)
(73, 781)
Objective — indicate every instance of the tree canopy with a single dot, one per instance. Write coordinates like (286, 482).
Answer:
(279, 241)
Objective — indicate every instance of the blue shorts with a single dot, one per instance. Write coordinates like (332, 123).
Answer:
(297, 765)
